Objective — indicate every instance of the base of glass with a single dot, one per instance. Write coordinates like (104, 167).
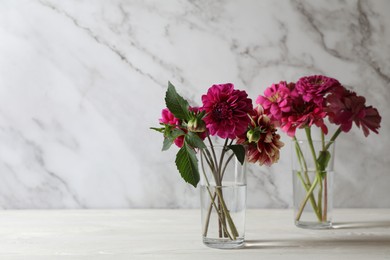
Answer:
(313, 225)
(223, 243)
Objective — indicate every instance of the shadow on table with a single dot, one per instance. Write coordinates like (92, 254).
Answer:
(343, 240)
(360, 225)
(324, 243)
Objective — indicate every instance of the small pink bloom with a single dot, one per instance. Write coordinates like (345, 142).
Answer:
(226, 110)
(276, 100)
(346, 107)
(169, 119)
(314, 88)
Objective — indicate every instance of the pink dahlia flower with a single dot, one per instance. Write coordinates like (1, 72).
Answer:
(346, 107)
(314, 88)
(226, 110)
(266, 149)
(276, 100)
(169, 119)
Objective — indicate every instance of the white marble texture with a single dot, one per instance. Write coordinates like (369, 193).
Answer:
(82, 81)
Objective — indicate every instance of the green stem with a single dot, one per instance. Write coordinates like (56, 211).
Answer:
(207, 221)
(301, 159)
(309, 194)
(227, 214)
(311, 146)
(221, 208)
(306, 184)
(216, 208)
(312, 199)
(226, 164)
(306, 198)
(333, 138)
(325, 213)
(216, 166)
(221, 159)
(317, 179)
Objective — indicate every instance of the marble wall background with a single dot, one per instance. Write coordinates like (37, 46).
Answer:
(82, 81)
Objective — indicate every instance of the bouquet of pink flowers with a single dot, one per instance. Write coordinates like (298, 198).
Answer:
(226, 113)
(309, 102)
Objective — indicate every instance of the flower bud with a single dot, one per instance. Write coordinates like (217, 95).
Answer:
(196, 125)
(253, 135)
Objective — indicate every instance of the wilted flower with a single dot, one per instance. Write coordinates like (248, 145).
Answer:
(253, 135)
(226, 110)
(266, 149)
(346, 107)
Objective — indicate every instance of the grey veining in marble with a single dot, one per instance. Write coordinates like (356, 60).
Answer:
(82, 81)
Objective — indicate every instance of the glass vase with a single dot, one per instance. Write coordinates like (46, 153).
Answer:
(223, 198)
(312, 164)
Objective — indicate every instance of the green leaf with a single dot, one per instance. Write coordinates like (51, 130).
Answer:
(176, 132)
(323, 160)
(176, 104)
(160, 130)
(170, 137)
(166, 144)
(239, 151)
(194, 140)
(187, 164)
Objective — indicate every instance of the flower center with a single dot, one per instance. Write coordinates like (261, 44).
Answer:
(221, 111)
(274, 98)
(318, 82)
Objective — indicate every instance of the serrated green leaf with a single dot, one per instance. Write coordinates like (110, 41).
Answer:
(239, 151)
(176, 103)
(170, 137)
(194, 140)
(187, 164)
(167, 143)
(176, 133)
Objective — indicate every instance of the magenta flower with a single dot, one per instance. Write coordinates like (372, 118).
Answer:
(314, 88)
(302, 114)
(288, 109)
(168, 118)
(346, 107)
(266, 147)
(276, 100)
(227, 110)
(311, 115)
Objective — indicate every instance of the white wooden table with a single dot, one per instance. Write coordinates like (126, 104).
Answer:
(175, 234)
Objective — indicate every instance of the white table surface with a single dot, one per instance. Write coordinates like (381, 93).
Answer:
(175, 234)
